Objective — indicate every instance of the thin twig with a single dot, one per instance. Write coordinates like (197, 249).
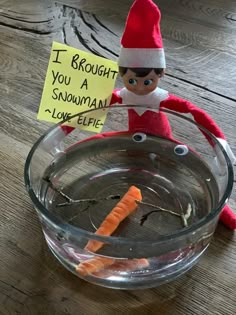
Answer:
(187, 215)
(68, 199)
(188, 212)
(157, 207)
(145, 216)
(182, 216)
(92, 200)
(185, 222)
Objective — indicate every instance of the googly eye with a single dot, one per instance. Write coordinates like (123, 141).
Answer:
(139, 137)
(181, 150)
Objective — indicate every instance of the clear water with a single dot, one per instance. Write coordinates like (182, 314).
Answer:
(109, 166)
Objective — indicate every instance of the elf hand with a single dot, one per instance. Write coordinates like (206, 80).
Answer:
(228, 150)
(219, 160)
(227, 215)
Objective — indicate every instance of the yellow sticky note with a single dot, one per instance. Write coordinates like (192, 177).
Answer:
(77, 81)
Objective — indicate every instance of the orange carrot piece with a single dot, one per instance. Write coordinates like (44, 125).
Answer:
(124, 207)
(93, 265)
(130, 265)
(97, 264)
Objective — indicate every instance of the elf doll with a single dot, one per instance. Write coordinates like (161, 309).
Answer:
(141, 65)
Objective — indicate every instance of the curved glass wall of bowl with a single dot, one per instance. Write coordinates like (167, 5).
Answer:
(76, 178)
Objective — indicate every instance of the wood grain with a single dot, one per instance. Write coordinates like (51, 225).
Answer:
(200, 46)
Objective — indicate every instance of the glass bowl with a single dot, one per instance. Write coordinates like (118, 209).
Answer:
(76, 177)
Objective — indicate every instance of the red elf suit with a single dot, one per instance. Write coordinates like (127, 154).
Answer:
(142, 47)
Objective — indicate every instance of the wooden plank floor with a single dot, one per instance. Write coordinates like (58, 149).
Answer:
(200, 46)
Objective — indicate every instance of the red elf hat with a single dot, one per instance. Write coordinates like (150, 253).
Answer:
(141, 43)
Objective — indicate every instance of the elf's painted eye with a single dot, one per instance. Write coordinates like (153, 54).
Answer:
(148, 82)
(132, 81)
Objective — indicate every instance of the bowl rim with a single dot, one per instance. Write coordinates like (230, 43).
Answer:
(76, 231)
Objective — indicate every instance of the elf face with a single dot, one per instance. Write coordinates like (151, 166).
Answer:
(140, 85)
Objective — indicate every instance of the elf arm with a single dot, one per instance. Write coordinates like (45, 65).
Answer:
(227, 215)
(115, 98)
(201, 117)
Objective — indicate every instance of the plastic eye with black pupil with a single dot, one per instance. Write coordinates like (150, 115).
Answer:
(181, 150)
(139, 137)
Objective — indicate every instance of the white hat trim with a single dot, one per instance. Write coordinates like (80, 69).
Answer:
(142, 58)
